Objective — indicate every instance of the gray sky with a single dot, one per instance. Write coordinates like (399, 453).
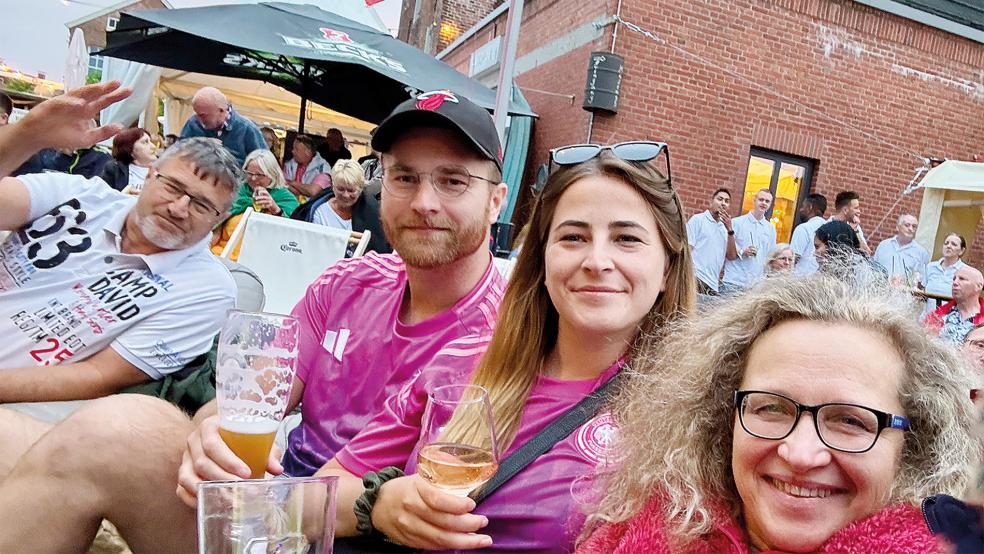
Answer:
(33, 36)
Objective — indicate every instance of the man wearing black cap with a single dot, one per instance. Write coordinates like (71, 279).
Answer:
(368, 325)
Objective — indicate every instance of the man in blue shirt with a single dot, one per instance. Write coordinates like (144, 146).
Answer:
(215, 118)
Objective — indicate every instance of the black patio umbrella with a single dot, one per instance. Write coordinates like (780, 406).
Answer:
(339, 63)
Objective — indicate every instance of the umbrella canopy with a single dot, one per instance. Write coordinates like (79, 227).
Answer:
(77, 62)
(339, 63)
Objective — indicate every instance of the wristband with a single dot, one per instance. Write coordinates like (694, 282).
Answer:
(372, 481)
(731, 233)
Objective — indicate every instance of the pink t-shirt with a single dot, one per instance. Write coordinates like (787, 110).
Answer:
(355, 352)
(538, 509)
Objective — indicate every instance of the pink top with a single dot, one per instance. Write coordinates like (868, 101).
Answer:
(355, 352)
(535, 511)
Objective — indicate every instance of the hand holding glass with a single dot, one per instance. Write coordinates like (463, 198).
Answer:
(255, 366)
(458, 446)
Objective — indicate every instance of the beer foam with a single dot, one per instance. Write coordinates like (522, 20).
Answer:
(249, 426)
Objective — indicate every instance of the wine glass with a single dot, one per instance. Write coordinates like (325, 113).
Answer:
(458, 446)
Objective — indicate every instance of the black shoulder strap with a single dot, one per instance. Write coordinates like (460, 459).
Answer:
(553, 433)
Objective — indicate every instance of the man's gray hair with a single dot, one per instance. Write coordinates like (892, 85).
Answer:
(905, 215)
(211, 160)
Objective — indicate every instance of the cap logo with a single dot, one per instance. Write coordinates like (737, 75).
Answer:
(334, 36)
(432, 101)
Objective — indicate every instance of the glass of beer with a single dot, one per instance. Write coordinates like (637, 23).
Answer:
(458, 451)
(255, 365)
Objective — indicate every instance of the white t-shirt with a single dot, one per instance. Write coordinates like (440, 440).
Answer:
(137, 176)
(901, 260)
(327, 216)
(709, 239)
(744, 272)
(67, 292)
(802, 245)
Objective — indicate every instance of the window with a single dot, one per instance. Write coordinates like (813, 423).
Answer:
(787, 177)
(95, 66)
(111, 23)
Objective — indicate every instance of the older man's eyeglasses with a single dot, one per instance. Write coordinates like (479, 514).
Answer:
(844, 427)
(449, 181)
(171, 190)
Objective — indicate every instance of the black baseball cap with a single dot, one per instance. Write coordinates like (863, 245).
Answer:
(442, 108)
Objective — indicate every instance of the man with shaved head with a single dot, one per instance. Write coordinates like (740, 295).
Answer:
(953, 320)
(215, 118)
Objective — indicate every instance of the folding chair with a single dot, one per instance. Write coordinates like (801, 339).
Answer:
(288, 254)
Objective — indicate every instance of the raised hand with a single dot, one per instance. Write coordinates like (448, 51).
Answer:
(66, 121)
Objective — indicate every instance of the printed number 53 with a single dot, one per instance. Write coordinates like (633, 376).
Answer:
(62, 355)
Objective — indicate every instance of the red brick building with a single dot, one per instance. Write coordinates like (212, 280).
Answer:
(799, 95)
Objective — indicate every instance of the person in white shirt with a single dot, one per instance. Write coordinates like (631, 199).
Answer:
(901, 256)
(100, 290)
(711, 237)
(811, 217)
(847, 208)
(755, 237)
(348, 180)
(939, 274)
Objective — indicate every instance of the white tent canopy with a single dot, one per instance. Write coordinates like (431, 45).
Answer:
(953, 202)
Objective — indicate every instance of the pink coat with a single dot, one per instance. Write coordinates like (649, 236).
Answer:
(898, 529)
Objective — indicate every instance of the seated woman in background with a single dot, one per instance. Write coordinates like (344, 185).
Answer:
(264, 190)
(307, 172)
(593, 281)
(780, 260)
(815, 417)
(346, 206)
(133, 152)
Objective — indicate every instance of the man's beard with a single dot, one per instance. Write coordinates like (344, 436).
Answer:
(161, 238)
(441, 250)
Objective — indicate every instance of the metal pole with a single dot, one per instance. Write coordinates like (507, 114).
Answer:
(507, 64)
(304, 93)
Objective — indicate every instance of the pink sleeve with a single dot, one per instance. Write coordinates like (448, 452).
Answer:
(311, 312)
(323, 180)
(390, 438)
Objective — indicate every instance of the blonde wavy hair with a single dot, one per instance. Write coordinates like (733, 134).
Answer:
(526, 327)
(676, 411)
(268, 165)
(349, 172)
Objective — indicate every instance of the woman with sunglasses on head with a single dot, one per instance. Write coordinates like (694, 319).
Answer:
(815, 416)
(265, 190)
(591, 282)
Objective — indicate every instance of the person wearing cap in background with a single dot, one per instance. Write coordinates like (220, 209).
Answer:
(368, 326)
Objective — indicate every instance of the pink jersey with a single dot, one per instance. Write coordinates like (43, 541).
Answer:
(355, 352)
(536, 510)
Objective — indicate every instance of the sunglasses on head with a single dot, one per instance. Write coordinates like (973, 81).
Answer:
(632, 151)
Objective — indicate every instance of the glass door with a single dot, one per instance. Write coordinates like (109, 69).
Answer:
(788, 178)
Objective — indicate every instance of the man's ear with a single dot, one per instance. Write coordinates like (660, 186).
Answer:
(497, 201)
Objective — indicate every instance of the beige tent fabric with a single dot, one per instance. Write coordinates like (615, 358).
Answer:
(953, 202)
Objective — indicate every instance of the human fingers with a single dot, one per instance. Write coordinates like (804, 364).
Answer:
(438, 500)
(110, 98)
(100, 134)
(95, 90)
(188, 480)
(423, 535)
(213, 460)
(274, 467)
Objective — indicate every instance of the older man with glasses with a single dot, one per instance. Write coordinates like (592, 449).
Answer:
(368, 326)
(101, 290)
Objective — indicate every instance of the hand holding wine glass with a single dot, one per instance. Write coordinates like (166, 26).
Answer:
(458, 450)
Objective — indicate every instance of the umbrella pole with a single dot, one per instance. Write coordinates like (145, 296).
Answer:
(304, 94)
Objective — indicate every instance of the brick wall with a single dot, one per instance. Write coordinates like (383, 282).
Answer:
(850, 86)
(95, 29)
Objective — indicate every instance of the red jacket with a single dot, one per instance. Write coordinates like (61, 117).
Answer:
(934, 321)
(898, 529)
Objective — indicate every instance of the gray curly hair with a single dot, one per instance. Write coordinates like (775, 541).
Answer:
(676, 411)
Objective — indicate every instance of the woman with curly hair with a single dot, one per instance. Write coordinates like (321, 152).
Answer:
(806, 415)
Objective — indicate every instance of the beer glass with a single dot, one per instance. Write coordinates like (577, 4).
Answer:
(261, 516)
(458, 450)
(255, 366)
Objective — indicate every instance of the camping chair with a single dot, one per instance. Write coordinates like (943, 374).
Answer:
(288, 255)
